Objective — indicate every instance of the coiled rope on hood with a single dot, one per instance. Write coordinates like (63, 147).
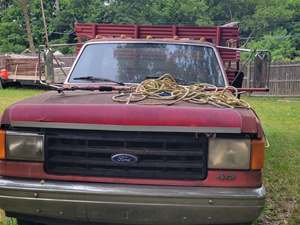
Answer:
(166, 91)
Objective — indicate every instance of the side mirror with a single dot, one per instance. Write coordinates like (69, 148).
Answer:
(261, 74)
(238, 80)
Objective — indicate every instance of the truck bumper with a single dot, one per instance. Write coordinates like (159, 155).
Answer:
(130, 204)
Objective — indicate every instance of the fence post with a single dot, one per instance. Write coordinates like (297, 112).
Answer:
(248, 77)
(49, 70)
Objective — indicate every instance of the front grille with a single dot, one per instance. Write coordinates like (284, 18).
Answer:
(160, 155)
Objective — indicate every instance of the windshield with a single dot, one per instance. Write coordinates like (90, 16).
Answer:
(135, 62)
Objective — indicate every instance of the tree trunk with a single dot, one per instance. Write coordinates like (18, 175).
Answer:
(24, 7)
(57, 7)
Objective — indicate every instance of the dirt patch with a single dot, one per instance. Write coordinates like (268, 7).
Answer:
(278, 212)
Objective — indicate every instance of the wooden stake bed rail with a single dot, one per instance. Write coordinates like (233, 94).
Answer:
(220, 36)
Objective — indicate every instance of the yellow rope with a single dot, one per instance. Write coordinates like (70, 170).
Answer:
(165, 90)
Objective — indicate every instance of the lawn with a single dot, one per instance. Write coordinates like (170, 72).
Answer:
(9, 96)
(281, 121)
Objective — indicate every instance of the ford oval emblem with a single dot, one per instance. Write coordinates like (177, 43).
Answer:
(124, 158)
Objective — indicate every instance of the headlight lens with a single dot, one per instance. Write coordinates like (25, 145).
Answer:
(229, 153)
(24, 146)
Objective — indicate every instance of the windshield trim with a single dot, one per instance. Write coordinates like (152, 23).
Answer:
(209, 45)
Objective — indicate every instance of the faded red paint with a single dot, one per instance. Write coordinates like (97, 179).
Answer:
(135, 115)
(36, 171)
(95, 108)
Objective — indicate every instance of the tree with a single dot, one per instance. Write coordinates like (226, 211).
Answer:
(57, 7)
(259, 19)
(24, 6)
(12, 34)
(280, 43)
(223, 12)
(157, 12)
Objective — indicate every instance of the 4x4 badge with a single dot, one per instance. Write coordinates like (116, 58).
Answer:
(226, 177)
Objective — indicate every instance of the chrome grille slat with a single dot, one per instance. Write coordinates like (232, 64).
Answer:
(148, 164)
(140, 151)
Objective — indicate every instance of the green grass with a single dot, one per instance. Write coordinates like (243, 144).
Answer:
(11, 95)
(281, 121)
(9, 221)
(7, 97)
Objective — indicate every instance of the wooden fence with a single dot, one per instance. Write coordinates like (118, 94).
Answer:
(284, 79)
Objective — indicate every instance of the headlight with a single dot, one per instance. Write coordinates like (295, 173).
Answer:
(229, 153)
(24, 146)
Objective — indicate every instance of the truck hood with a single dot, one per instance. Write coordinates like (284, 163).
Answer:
(92, 110)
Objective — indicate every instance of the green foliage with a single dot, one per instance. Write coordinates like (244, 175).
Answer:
(12, 33)
(269, 24)
(231, 10)
(154, 12)
(280, 43)
(269, 15)
(273, 24)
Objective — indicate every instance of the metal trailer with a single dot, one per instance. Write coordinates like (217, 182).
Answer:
(26, 70)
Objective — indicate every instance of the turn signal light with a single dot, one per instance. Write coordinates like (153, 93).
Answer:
(2, 144)
(257, 154)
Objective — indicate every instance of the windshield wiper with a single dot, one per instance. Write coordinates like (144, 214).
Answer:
(95, 79)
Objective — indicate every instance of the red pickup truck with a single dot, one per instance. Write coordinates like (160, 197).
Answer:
(79, 157)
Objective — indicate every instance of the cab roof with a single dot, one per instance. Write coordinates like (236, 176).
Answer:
(152, 40)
